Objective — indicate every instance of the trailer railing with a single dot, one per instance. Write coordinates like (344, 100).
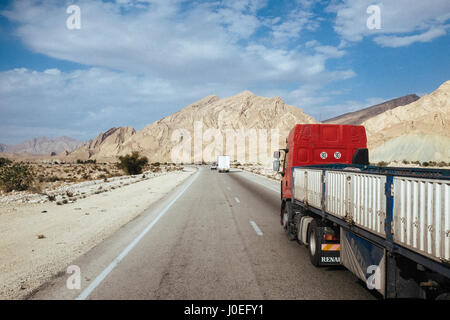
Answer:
(405, 210)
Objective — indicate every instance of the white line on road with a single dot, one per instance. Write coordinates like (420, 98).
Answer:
(257, 229)
(114, 263)
(237, 199)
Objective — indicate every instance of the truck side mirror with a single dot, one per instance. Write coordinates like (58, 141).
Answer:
(276, 165)
(276, 154)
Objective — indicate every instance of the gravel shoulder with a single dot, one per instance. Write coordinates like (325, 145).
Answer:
(39, 239)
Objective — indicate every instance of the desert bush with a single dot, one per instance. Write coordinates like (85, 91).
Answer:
(79, 161)
(15, 176)
(4, 162)
(156, 169)
(382, 164)
(132, 163)
(52, 179)
(35, 188)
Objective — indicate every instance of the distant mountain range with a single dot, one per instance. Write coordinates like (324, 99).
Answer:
(406, 128)
(242, 111)
(42, 146)
(106, 144)
(362, 115)
(416, 131)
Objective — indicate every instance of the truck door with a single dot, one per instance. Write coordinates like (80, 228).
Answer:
(286, 181)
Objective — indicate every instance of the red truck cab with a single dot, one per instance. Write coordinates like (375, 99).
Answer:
(316, 144)
(312, 145)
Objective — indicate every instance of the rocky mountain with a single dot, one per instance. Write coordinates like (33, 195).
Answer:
(362, 115)
(106, 144)
(42, 146)
(215, 121)
(416, 131)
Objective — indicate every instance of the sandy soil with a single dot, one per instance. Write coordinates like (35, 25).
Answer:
(39, 239)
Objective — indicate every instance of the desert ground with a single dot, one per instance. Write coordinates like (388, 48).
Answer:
(69, 216)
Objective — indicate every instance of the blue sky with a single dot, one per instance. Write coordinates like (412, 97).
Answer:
(133, 62)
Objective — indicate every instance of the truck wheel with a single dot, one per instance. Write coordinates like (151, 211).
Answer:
(443, 296)
(287, 212)
(285, 216)
(314, 244)
(297, 221)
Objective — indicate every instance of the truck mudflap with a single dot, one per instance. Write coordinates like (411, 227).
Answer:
(364, 259)
(330, 254)
(330, 258)
(329, 250)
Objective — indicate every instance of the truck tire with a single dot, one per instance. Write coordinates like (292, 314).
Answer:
(285, 215)
(443, 296)
(314, 243)
(286, 220)
(298, 235)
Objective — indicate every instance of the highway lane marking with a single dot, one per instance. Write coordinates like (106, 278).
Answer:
(237, 199)
(256, 228)
(94, 284)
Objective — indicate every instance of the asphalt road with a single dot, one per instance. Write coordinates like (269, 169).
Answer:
(216, 236)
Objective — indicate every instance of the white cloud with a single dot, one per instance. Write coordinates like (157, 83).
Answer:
(395, 41)
(151, 58)
(82, 102)
(403, 22)
(198, 45)
(330, 51)
(243, 25)
(53, 71)
(290, 28)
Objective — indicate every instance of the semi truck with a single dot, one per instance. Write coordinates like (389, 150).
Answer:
(223, 163)
(389, 226)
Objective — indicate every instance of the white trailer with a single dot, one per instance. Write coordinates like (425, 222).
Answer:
(223, 163)
(389, 226)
